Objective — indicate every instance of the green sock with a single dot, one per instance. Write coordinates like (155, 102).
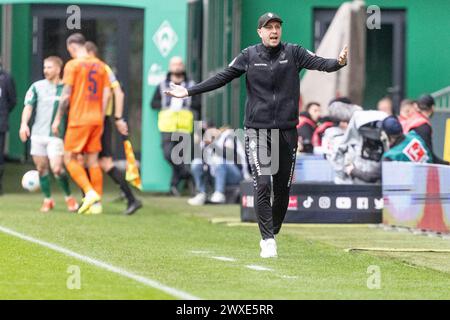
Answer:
(45, 185)
(63, 181)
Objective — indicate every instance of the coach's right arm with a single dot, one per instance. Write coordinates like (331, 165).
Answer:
(235, 69)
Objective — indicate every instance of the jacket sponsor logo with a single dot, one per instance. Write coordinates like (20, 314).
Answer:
(293, 203)
(284, 61)
(260, 64)
(415, 151)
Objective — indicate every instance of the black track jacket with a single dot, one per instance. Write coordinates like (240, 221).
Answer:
(272, 80)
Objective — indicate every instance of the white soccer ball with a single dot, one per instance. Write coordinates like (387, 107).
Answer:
(30, 181)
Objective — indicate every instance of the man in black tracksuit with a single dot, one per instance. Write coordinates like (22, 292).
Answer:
(272, 79)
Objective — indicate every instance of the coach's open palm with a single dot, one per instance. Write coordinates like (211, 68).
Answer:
(343, 56)
(177, 91)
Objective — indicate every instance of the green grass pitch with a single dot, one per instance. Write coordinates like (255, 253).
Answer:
(178, 246)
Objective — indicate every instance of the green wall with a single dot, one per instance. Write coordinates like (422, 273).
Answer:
(155, 171)
(21, 71)
(427, 34)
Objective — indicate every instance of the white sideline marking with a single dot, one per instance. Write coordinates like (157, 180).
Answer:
(258, 268)
(146, 281)
(200, 252)
(224, 259)
(288, 277)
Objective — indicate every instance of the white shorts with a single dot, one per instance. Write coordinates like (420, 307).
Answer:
(43, 146)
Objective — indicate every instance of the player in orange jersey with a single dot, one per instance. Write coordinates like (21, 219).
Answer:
(87, 91)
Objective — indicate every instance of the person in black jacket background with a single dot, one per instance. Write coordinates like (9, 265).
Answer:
(7, 103)
(272, 79)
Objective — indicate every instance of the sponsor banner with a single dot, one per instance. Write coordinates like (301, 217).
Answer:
(326, 203)
(323, 203)
(417, 195)
(293, 203)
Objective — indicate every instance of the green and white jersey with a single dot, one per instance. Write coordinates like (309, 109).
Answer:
(44, 96)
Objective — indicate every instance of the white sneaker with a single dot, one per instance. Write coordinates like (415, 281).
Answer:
(198, 200)
(268, 248)
(218, 197)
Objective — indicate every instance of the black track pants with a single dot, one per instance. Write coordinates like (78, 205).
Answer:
(279, 147)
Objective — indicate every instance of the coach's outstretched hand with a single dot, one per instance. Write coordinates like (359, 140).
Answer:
(343, 56)
(177, 91)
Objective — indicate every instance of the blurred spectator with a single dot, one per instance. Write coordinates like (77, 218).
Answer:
(419, 121)
(409, 147)
(226, 162)
(325, 123)
(358, 158)
(341, 111)
(175, 116)
(386, 105)
(407, 108)
(199, 168)
(7, 103)
(306, 126)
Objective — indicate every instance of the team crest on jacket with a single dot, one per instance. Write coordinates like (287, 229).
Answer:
(415, 151)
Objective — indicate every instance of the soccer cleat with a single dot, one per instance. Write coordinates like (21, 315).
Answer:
(268, 248)
(133, 207)
(72, 204)
(218, 197)
(96, 208)
(198, 200)
(90, 198)
(47, 205)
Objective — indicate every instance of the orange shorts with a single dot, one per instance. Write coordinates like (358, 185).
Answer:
(83, 139)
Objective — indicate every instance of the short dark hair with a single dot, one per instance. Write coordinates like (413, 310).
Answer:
(91, 47)
(426, 102)
(76, 38)
(309, 105)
